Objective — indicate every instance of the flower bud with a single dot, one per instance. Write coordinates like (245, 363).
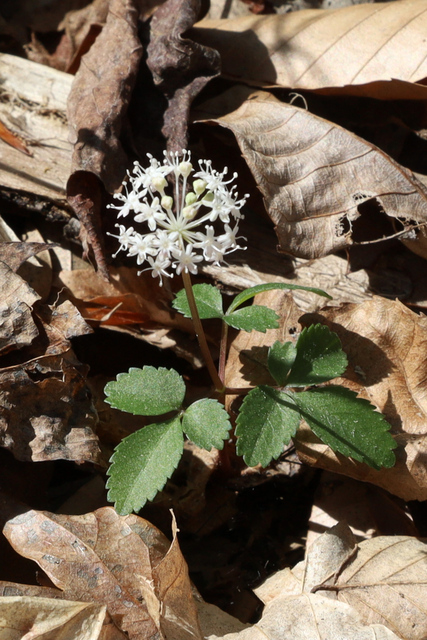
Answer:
(189, 212)
(185, 168)
(199, 186)
(167, 202)
(190, 198)
(159, 183)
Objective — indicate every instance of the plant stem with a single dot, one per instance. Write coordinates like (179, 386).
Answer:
(223, 351)
(201, 337)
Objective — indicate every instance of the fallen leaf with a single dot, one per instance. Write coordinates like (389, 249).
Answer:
(386, 584)
(123, 562)
(314, 175)
(366, 509)
(46, 410)
(292, 611)
(17, 327)
(25, 618)
(377, 49)
(385, 344)
(97, 105)
(180, 67)
(14, 254)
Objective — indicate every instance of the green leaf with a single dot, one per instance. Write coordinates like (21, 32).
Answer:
(268, 419)
(281, 357)
(146, 392)
(348, 424)
(206, 423)
(142, 463)
(255, 318)
(208, 301)
(259, 288)
(319, 357)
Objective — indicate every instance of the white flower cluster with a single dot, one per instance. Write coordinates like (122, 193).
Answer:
(173, 240)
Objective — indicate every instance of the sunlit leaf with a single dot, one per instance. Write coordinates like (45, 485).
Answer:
(268, 419)
(142, 463)
(254, 318)
(147, 392)
(206, 423)
(247, 294)
(208, 301)
(348, 424)
(319, 357)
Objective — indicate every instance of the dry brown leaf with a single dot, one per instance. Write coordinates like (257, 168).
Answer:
(364, 44)
(382, 580)
(292, 612)
(386, 344)
(97, 105)
(17, 327)
(29, 618)
(123, 562)
(46, 411)
(126, 300)
(314, 174)
(180, 67)
(386, 583)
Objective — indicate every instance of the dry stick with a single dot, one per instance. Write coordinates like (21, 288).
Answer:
(219, 385)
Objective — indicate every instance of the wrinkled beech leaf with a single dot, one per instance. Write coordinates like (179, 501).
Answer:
(268, 419)
(206, 423)
(319, 357)
(281, 357)
(146, 392)
(348, 424)
(208, 300)
(122, 562)
(142, 463)
(255, 318)
(321, 49)
(314, 175)
(247, 294)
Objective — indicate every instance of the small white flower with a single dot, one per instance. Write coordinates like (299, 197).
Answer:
(186, 260)
(183, 227)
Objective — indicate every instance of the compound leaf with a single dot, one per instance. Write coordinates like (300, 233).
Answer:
(259, 288)
(206, 423)
(142, 463)
(319, 357)
(208, 301)
(268, 419)
(146, 392)
(254, 318)
(281, 357)
(348, 424)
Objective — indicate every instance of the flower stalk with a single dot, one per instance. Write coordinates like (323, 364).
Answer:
(201, 336)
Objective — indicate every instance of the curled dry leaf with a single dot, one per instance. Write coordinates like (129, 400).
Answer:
(180, 67)
(97, 105)
(123, 562)
(29, 617)
(314, 174)
(17, 328)
(379, 45)
(46, 411)
(386, 344)
(292, 610)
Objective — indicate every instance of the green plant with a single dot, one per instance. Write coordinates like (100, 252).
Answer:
(270, 414)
